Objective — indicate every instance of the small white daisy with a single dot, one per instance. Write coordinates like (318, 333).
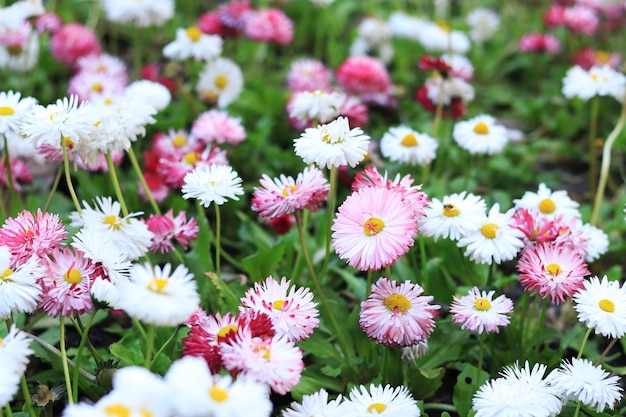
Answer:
(158, 295)
(221, 82)
(111, 261)
(20, 290)
(150, 92)
(197, 393)
(316, 404)
(24, 58)
(597, 81)
(12, 109)
(318, 105)
(580, 380)
(496, 240)
(438, 37)
(193, 43)
(380, 401)
(483, 24)
(407, 146)
(453, 217)
(213, 183)
(550, 203)
(14, 352)
(142, 13)
(332, 144)
(480, 135)
(601, 305)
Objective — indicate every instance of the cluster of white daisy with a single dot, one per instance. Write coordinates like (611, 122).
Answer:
(19, 42)
(597, 81)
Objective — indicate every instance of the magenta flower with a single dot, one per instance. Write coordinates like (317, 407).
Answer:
(168, 229)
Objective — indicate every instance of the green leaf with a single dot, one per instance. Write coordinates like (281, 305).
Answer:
(264, 262)
(332, 371)
(311, 382)
(128, 355)
(425, 382)
(318, 346)
(467, 383)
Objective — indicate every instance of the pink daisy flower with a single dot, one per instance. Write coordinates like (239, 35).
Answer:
(309, 75)
(537, 228)
(554, 16)
(92, 85)
(233, 14)
(581, 19)
(174, 169)
(365, 77)
(15, 36)
(167, 229)
(66, 283)
(587, 58)
(292, 310)
(274, 361)
(396, 314)
(355, 110)
(269, 25)
(20, 175)
(48, 22)
(217, 126)
(72, 42)
(539, 42)
(175, 142)
(479, 312)
(284, 195)
(552, 270)
(373, 228)
(104, 63)
(27, 235)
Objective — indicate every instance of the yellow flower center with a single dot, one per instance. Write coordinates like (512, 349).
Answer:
(145, 413)
(73, 276)
(451, 210)
(547, 206)
(117, 410)
(191, 158)
(263, 350)
(378, 407)
(158, 285)
(6, 274)
(6, 111)
(221, 81)
(594, 76)
(482, 304)
(607, 305)
(489, 230)
(194, 34)
(179, 140)
(554, 269)
(217, 394)
(373, 225)
(288, 188)
(278, 304)
(69, 143)
(397, 301)
(602, 57)
(97, 87)
(113, 221)
(108, 101)
(409, 140)
(227, 329)
(481, 128)
(443, 26)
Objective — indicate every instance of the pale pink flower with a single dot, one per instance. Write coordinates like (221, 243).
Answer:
(168, 229)
(285, 195)
(552, 270)
(309, 75)
(554, 16)
(217, 126)
(291, 308)
(397, 314)
(374, 227)
(48, 22)
(92, 85)
(104, 63)
(273, 361)
(175, 144)
(269, 25)
(233, 14)
(72, 42)
(174, 169)
(355, 110)
(20, 174)
(15, 36)
(27, 235)
(539, 42)
(66, 282)
(365, 77)
(479, 312)
(581, 19)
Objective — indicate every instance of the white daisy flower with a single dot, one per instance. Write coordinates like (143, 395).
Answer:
(318, 105)
(580, 380)
(12, 110)
(193, 43)
(14, 352)
(597, 81)
(66, 119)
(150, 92)
(221, 82)
(441, 38)
(480, 135)
(447, 89)
(408, 27)
(158, 295)
(20, 290)
(197, 393)
(496, 240)
(483, 24)
(461, 66)
(601, 305)
(212, 183)
(106, 292)
(103, 252)
(21, 60)
(332, 144)
(380, 401)
(142, 13)
(550, 203)
(316, 404)
(407, 146)
(518, 393)
(453, 217)
(130, 235)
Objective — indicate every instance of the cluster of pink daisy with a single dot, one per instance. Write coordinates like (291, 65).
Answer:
(260, 341)
(98, 77)
(167, 228)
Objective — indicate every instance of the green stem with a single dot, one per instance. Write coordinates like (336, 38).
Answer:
(53, 190)
(94, 15)
(137, 53)
(303, 225)
(582, 346)
(79, 353)
(116, 183)
(68, 176)
(149, 346)
(332, 197)
(81, 330)
(66, 371)
(605, 352)
(481, 354)
(7, 407)
(593, 127)
(577, 409)
(440, 406)
(27, 400)
(218, 233)
(142, 180)
(165, 345)
(303, 246)
(606, 163)
(7, 165)
(370, 282)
